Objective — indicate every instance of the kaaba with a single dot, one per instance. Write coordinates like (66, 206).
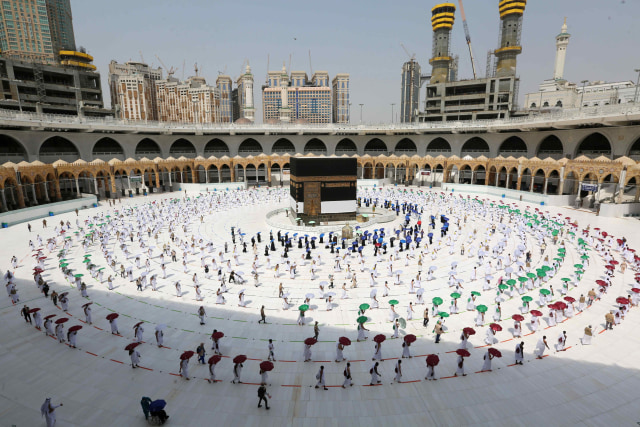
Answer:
(324, 189)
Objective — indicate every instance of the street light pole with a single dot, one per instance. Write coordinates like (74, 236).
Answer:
(392, 105)
(582, 97)
(361, 113)
(635, 97)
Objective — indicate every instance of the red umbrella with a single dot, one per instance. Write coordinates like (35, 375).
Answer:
(41, 258)
(239, 358)
(33, 310)
(604, 233)
(636, 290)
(433, 360)
(137, 324)
(569, 299)
(38, 270)
(215, 359)
(622, 300)
(50, 316)
(495, 327)
(266, 365)
(462, 352)
(187, 355)
(614, 262)
(469, 331)
(560, 305)
(536, 313)
(75, 328)
(62, 320)
(495, 352)
(379, 338)
(344, 341)
(217, 335)
(601, 282)
(619, 241)
(112, 316)
(609, 267)
(132, 346)
(87, 304)
(310, 341)
(518, 317)
(409, 338)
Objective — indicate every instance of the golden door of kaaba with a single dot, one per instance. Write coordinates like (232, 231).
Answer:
(312, 198)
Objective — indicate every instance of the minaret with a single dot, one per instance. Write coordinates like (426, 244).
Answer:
(248, 110)
(285, 111)
(511, 12)
(562, 41)
(442, 18)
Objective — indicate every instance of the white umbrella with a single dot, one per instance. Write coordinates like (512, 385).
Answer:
(420, 291)
(373, 293)
(310, 296)
(454, 264)
(509, 270)
(324, 283)
(433, 268)
(330, 294)
(488, 277)
(452, 273)
(241, 291)
(160, 327)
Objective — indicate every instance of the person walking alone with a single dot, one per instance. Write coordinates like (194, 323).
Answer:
(262, 395)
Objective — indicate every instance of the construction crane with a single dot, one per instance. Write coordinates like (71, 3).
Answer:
(412, 57)
(170, 71)
(468, 36)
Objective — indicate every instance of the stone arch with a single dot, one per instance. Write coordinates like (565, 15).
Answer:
(406, 146)
(346, 146)
(513, 146)
(56, 148)
(439, 146)
(108, 148)
(12, 150)
(552, 184)
(375, 147)
(148, 148)
(551, 146)
(182, 147)
(282, 146)
(213, 174)
(216, 147)
(634, 150)
(315, 146)
(250, 147)
(475, 147)
(594, 145)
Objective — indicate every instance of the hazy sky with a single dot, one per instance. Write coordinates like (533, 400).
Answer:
(353, 36)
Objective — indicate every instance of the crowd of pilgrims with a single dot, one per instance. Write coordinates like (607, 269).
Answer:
(433, 235)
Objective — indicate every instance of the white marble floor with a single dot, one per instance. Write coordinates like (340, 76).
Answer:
(584, 385)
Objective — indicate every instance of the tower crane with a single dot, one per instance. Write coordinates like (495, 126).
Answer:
(412, 57)
(468, 36)
(170, 71)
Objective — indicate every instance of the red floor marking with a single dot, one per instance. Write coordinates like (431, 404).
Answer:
(287, 361)
(117, 361)
(479, 372)
(99, 328)
(93, 354)
(392, 358)
(175, 375)
(359, 360)
(82, 321)
(601, 331)
(142, 367)
(249, 383)
(481, 346)
(444, 378)
(371, 385)
(565, 349)
(287, 385)
(531, 333)
(69, 313)
(512, 365)
(453, 351)
(407, 382)
(248, 358)
(510, 339)
(580, 312)
(314, 361)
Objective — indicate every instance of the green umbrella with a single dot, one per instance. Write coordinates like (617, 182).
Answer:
(562, 250)
(443, 314)
(527, 299)
(579, 266)
(100, 269)
(565, 279)
(558, 259)
(64, 260)
(455, 295)
(435, 300)
(546, 268)
(554, 233)
(584, 257)
(523, 279)
(531, 275)
(545, 291)
(511, 282)
(529, 224)
(579, 272)
(393, 302)
(303, 307)
(475, 293)
(482, 308)
(78, 275)
(542, 274)
(502, 287)
(571, 233)
(362, 319)
(86, 261)
(364, 307)
(64, 264)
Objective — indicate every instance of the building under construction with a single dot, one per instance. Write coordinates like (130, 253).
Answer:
(446, 97)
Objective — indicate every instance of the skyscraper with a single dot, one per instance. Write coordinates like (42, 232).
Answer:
(410, 96)
(191, 101)
(61, 25)
(224, 85)
(341, 110)
(25, 31)
(133, 90)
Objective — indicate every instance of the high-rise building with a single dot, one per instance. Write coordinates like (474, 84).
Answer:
(245, 96)
(61, 25)
(511, 12)
(562, 41)
(410, 96)
(341, 102)
(133, 90)
(25, 31)
(191, 101)
(224, 85)
(442, 18)
(296, 98)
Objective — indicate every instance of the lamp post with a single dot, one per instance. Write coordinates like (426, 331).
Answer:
(584, 82)
(361, 113)
(635, 97)
(392, 105)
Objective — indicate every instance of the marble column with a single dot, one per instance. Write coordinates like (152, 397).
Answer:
(77, 188)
